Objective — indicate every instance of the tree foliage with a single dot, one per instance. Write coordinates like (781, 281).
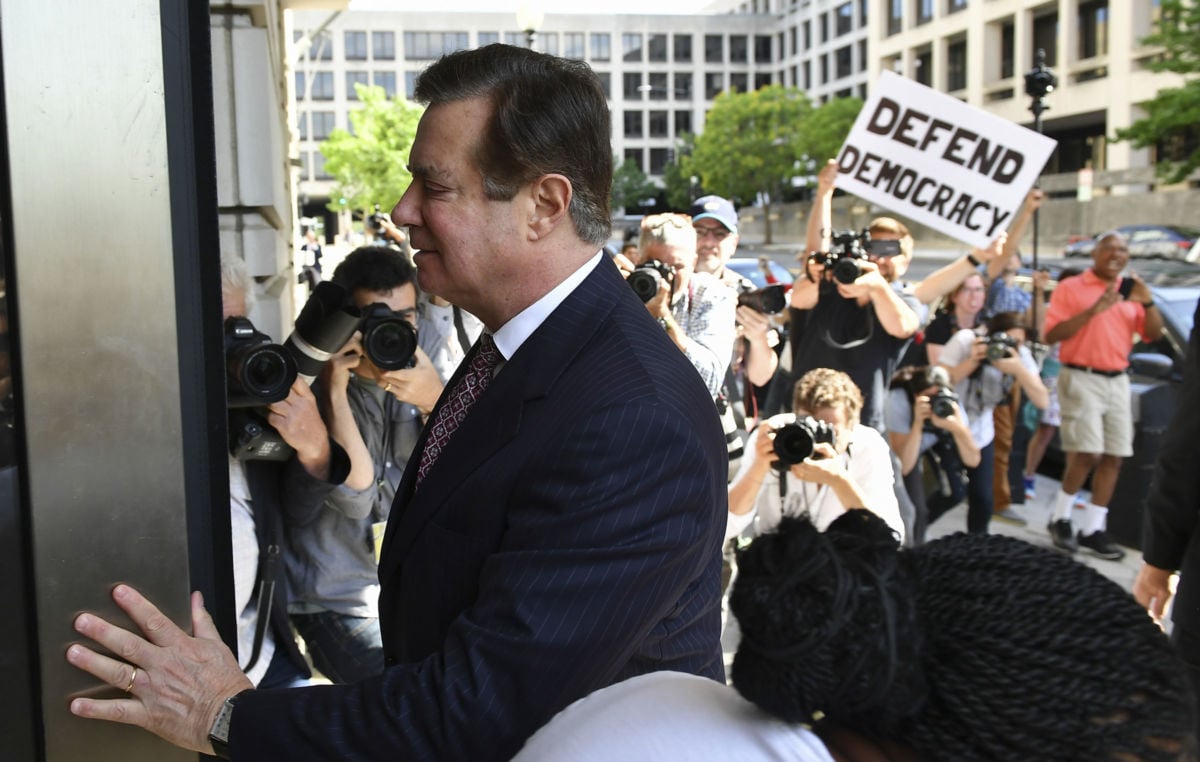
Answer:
(826, 129)
(370, 164)
(631, 186)
(1173, 115)
(677, 176)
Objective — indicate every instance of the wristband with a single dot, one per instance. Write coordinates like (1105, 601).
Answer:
(974, 262)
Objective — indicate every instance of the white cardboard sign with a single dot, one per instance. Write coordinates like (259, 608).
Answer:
(934, 159)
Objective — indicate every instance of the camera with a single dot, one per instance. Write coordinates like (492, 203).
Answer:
(849, 250)
(376, 223)
(769, 300)
(258, 371)
(942, 403)
(389, 341)
(998, 345)
(794, 442)
(326, 322)
(646, 277)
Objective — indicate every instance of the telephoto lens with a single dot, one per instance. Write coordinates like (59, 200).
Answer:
(795, 442)
(325, 324)
(847, 269)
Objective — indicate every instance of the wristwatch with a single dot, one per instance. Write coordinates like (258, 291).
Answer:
(218, 735)
(666, 322)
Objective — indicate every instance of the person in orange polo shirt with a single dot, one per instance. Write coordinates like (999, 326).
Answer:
(1096, 326)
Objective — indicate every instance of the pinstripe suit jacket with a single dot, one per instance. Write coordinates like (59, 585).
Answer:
(567, 538)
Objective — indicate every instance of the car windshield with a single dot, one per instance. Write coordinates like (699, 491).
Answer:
(1179, 304)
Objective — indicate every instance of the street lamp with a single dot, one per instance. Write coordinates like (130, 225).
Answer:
(1039, 82)
(529, 18)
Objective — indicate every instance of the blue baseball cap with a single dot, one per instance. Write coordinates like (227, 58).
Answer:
(715, 208)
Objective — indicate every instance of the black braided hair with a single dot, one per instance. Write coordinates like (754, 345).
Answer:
(970, 647)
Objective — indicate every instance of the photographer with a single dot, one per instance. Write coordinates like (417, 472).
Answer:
(851, 471)
(926, 423)
(258, 492)
(377, 415)
(984, 370)
(695, 309)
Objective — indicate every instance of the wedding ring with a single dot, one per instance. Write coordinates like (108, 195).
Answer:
(387, 388)
(132, 678)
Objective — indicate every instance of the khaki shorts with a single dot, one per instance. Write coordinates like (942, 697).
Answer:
(1095, 413)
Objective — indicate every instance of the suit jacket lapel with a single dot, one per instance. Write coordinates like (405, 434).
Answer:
(495, 419)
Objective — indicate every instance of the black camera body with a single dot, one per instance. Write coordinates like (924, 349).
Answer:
(646, 277)
(389, 341)
(258, 371)
(942, 403)
(849, 250)
(375, 222)
(769, 300)
(795, 442)
(998, 345)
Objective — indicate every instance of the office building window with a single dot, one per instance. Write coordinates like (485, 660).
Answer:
(862, 54)
(354, 78)
(658, 86)
(632, 84)
(923, 68)
(656, 48)
(305, 161)
(806, 80)
(862, 12)
(1045, 36)
(356, 46)
(793, 40)
(714, 83)
(843, 62)
(1093, 29)
(606, 82)
(956, 65)
(683, 48)
(923, 11)
(574, 45)
(321, 48)
(322, 124)
(302, 125)
(386, 80)
(823, 26)
(547, 42)
(659, 124)
(762, 48)
(683, 86)
(659, 159)
(635, 155)
(319, 172)
(383, 46)
(321, 88)
(824, 69)
(425, 46)
(738, 52)
(488, 38)
(516, 39)
(714, 48)
(631, 47)
(738, 81)
(1007, 47)
(683, 122)
(895, 19)
(633, 124)
(410, 83)
(762, 79)
(845, 19)
(601, 47)
(954, 6)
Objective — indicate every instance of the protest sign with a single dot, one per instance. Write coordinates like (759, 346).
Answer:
(934, 159)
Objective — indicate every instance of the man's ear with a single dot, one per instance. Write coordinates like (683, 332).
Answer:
(551, 196)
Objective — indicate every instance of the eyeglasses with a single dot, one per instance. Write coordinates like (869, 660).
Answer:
(716, 232)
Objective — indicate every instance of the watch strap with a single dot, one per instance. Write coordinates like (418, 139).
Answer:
(218, 734)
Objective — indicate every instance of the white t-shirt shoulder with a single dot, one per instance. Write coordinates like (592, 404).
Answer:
(669, 715)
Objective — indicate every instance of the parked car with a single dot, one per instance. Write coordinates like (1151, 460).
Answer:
(1147, 242)
(1155, 370)
(752, 271)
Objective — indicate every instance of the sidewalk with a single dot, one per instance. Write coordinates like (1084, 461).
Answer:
(1037, 515)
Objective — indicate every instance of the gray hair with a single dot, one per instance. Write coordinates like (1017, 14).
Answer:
(235, 278)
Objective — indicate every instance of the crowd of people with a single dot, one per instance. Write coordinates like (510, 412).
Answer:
(513, 544)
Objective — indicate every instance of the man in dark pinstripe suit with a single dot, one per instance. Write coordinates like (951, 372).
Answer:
(566, 536)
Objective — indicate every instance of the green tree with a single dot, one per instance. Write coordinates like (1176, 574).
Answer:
(631, 186)
(677, 176)
(749, 145)
(370, 165)
(824, 132)
(1173, 114)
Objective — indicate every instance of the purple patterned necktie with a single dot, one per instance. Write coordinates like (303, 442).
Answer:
(450, 415)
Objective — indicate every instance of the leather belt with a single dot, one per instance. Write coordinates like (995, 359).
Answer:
(1096, 371)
